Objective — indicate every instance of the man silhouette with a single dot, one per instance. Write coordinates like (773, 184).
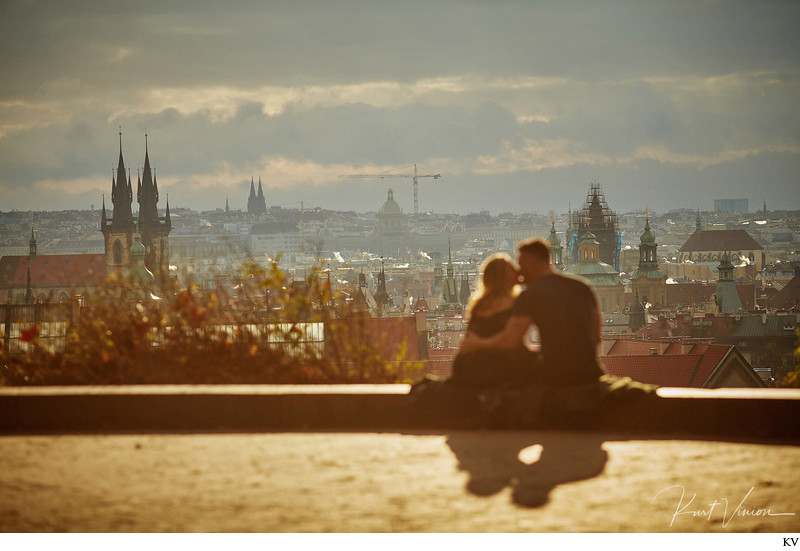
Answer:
(564, 310)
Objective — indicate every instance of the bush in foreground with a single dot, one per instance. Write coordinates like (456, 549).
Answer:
(260, 336)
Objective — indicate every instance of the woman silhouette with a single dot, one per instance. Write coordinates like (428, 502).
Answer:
(489, 309)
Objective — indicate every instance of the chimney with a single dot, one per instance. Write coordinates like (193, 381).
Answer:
(763, 319)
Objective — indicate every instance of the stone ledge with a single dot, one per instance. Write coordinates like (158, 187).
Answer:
(759, 413)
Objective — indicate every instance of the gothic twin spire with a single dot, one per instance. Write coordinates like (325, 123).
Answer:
(256, 204)
(146, 194)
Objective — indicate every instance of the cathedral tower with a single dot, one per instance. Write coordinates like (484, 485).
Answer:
(119, 230)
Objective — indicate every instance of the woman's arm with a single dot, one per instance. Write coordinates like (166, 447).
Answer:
(510, 337)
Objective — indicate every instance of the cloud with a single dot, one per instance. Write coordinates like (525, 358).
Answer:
(510, 100)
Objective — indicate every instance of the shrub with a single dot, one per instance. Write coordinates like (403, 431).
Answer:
(261, 334)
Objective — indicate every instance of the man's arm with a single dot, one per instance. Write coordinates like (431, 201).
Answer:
(508, 338)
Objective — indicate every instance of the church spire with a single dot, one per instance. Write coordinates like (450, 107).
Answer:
(261, 202)
(698, 225)
(251, 200)
(148, 198)
(32, 245)
(555, 243)
(29, 298)
(121, 196)
(449, 260)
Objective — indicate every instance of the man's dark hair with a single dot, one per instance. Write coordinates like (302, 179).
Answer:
(537, 248)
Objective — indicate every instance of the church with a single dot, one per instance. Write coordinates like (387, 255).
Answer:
(36, 278)
(119, 229)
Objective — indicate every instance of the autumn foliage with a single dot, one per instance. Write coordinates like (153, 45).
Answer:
(254, 335)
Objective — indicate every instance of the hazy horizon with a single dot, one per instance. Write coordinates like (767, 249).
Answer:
(519, 105)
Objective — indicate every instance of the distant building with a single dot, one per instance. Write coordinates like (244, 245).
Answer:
(36, 278)
(556, 251)
(256, 203)
(451, 292)
(649, 282)
(680, 364)
(711, 245)
(603, 278)
(596, 217)
(726, 295)
(788, 298)
(731, 205)
(391, 234)
(119, 229)
(767, 341)
(272, 238)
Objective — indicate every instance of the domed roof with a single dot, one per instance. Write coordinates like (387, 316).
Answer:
(390, 206)
(589, 238)
(137, 249)
(647, 236)
(553, 239)
(138, 274)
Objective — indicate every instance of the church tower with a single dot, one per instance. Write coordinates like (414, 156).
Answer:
(726, 296)
(555, 245)
(118, 230)
(154, 230)
(261, 202)
(256, 203)
(251, 199)
(450, 291)
(32, 246)
(649, 281)
(597, 218)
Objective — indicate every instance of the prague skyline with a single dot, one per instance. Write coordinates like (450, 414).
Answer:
(518, 106)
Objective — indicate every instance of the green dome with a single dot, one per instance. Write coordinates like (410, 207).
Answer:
(647, 237)
(599, 274)
(553, 240)
(138, 273)
(589, 238)
(137, 249)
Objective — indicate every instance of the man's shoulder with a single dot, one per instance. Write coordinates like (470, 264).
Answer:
(560, 285)
(559, 279)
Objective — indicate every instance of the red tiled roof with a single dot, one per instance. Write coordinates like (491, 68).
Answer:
(53, 270)
(696, 293)
(659, 370)
(711, 358)
(681, 364)
(789, 296)
(720, 240)
(658, 330)
(630, 347)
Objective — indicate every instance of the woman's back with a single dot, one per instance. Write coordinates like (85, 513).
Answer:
(488, 325)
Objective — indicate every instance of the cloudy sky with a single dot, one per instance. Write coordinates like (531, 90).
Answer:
(519, 105)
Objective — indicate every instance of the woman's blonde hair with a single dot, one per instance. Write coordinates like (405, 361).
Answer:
(494, 281)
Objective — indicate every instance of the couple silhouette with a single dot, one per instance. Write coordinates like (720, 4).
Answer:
(498, 379)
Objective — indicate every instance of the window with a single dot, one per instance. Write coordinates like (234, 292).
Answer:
(117, 251)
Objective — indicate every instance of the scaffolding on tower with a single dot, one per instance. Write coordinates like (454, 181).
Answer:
(597, 217)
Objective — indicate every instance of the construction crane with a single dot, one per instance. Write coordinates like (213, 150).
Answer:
(390, 174)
